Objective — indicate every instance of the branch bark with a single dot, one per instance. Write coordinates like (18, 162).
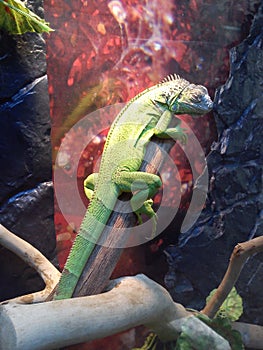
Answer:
(35, 259)
(241, 253)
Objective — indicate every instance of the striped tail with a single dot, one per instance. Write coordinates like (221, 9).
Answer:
(91, 228)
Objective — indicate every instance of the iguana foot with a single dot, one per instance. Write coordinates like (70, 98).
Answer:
(147, 209)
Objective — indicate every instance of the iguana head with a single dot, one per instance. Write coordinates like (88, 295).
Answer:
(181, 97)
(193, 99)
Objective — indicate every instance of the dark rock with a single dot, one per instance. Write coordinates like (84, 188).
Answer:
(233, 211)
(29, 214)
(22, 61)
(26, 192)
(25, 158)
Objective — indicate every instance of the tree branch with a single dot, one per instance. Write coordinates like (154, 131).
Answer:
(133, 301)
(252, 335)
(35, 259)
(241, 253)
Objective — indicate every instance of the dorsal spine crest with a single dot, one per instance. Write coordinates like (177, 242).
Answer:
(171, 77)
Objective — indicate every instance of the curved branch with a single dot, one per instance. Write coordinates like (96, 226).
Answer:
(241, 253)
(35, 259)
(132, 302)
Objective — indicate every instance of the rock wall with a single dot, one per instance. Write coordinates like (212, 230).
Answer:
(233, 211)
(26, 192)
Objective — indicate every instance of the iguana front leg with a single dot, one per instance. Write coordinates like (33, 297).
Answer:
(162, 129)
(176, 133)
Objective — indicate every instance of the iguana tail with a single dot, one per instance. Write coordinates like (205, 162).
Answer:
(91, 228)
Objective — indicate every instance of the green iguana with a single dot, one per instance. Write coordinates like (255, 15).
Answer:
(147, 114)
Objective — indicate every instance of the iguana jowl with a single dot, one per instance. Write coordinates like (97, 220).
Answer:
(147, 114)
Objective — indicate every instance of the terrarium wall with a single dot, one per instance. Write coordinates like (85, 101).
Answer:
(103, 53)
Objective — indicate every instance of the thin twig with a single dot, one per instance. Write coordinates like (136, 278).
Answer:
(35, 259)
(241, 253)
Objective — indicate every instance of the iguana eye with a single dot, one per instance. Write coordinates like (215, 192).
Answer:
(197, 98)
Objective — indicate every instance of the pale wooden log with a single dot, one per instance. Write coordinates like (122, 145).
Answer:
(252, 334)
(35, 259)
(133, 301)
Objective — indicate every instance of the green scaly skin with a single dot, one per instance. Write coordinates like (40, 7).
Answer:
(147, 114)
